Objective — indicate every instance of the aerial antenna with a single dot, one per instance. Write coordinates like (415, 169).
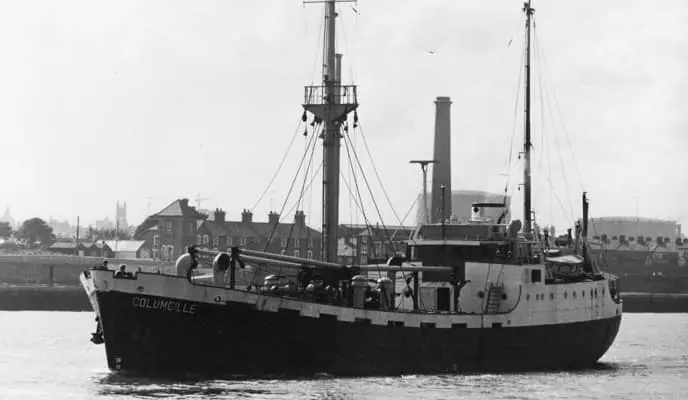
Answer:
(424, 167)
(199, 199)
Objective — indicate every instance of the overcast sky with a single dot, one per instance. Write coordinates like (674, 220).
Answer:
(159, 99)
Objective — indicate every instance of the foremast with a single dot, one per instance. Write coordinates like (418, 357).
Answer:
(527, 145)
(330, 103)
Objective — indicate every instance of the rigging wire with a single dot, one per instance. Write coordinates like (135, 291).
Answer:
(310, 203)
(291, 187)
(346, 47)
(350, 232)
(414, 203)
(308, 186)
(510, 154)
(298, 202)
(546, 154)
(351, 192)
(279, 167)
(303, 188)
(321, 31)
(543, 150)
(552, 191)
(377, 175)
(362, 209)
(372, 197)
(347, 146)
(546, 100)
(556, 102)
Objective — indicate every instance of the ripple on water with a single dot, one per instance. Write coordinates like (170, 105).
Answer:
(47, 355)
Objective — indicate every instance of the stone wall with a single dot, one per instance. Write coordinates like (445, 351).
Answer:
(64, 270)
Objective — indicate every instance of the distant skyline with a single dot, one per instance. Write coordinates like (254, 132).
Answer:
(147, 102)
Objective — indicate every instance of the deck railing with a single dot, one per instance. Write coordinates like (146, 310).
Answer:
(314, 95)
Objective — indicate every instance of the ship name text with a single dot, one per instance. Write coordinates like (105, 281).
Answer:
(164, 305)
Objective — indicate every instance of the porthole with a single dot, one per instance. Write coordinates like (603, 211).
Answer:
(602, 291)
(566, 295)
(583, 293)
(574, 294)
(551, 296)
(503, 296)
(527, 296)
(481, 294)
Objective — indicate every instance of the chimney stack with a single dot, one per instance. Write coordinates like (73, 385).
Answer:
(441, 171)
(300, 219)
(273, 218)
(246, 216)
(219, 216)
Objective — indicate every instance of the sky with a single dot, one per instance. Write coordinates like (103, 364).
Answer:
(150, 101)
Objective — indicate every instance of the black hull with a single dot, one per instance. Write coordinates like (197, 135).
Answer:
(236, 339)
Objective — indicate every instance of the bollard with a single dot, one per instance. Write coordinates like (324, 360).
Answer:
(359, 283)
(385, 289)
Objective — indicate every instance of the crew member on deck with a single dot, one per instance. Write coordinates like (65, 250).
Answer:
(546, 239)
(122, 273)
(103, 266)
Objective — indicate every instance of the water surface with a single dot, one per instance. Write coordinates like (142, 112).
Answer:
(48, 355)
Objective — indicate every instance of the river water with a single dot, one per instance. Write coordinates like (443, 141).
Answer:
(47, 355)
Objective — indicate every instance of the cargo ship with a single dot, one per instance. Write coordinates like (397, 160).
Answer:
(481, 295)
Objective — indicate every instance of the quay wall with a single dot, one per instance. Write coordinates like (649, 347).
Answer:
(43, 298)
(51, 283)
(64, 270)
(634, 302)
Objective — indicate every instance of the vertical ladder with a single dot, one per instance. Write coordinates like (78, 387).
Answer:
(494, 298)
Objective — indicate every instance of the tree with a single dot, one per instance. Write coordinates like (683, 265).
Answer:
(109, 234)
(5, 229)
(36, 230)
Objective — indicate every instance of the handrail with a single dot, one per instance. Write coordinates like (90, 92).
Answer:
(338, 94)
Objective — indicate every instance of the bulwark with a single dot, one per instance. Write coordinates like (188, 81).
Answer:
(164, 305)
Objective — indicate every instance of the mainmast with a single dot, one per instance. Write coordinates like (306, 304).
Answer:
(527, 207)
(331, 103)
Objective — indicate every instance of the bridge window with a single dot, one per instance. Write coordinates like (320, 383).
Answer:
(536, 275)
(443, 299)
(444, 256)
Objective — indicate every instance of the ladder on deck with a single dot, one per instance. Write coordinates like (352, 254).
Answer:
(494, 298)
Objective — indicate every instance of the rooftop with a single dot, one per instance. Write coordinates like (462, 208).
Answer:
(125, 245)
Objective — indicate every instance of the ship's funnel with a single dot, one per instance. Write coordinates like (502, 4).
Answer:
(441, 171)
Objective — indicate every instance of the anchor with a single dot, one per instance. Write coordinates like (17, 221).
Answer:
(97, 336)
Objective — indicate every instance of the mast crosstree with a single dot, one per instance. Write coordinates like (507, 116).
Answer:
(330, 103)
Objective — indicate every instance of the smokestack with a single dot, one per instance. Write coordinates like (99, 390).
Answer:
(441, 171)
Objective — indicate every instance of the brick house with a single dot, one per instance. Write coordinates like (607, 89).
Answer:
(295, 238)
(375, 244)
(168, 232)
